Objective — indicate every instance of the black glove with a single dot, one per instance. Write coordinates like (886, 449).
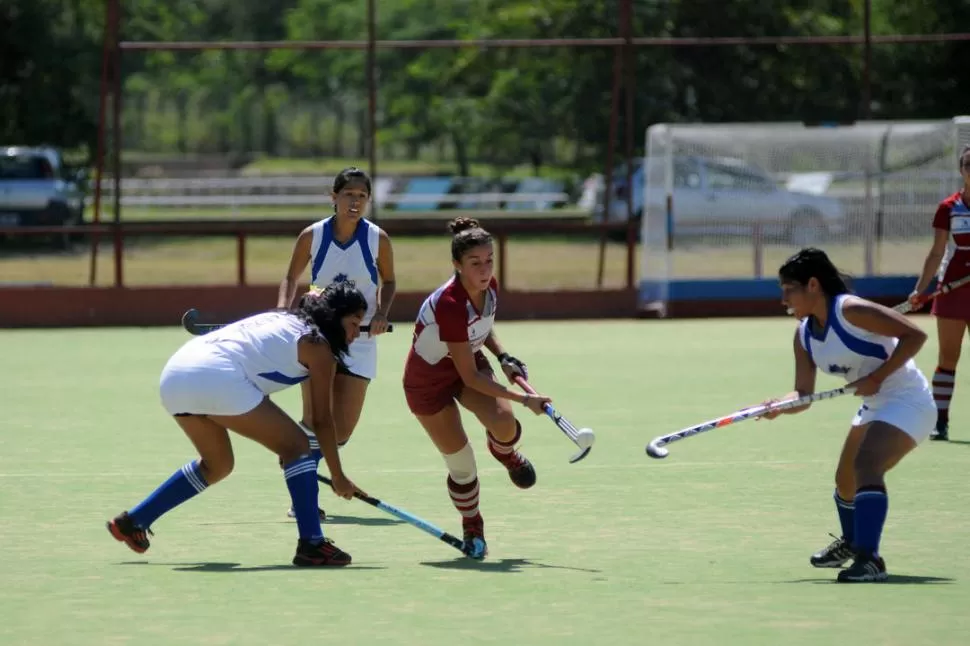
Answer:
(513, 365)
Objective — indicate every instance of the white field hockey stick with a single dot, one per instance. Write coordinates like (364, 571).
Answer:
(582, 437)
(655, 448)
(906, 307)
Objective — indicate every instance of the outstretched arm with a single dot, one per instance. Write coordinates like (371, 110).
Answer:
(805, 376)
(298, 262)
(932, 262)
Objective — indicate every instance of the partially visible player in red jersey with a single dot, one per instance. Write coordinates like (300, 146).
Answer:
(949, 260)
(446, 364)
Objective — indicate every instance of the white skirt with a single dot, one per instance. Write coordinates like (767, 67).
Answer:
(912, 412)
(362, 357)
(199, 380)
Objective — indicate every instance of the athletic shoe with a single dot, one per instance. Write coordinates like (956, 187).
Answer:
(124, 529)
(475, 546)
(941, 433)
(835, 555)
(865, 569)
(292, 514)
(322, 554)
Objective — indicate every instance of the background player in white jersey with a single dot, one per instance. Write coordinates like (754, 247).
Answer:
(346, 247)
(446, 364)
(949, 260)
(222, 381)
(872, 347)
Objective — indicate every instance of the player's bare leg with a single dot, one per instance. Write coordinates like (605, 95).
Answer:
(839, 552)
(273, 428)
(503, 432)
(446, 431)
(349, 393)
(883, 446)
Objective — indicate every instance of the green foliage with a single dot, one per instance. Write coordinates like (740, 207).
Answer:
(505, 107)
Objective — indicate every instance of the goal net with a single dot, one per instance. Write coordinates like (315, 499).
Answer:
(732, 201)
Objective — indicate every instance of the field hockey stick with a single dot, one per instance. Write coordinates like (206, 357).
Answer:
(407, 517)
(655, 448)
(583, 437)
(906, 307)
(190, 321)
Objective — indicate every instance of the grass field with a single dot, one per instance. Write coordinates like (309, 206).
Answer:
(709, 546)
(423, 263)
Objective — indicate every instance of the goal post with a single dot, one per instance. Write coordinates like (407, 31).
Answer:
(732, 201)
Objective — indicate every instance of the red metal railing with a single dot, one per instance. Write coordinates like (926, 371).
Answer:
(241, 230)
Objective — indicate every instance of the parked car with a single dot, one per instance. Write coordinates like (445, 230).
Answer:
(725, 196)
(38, 189)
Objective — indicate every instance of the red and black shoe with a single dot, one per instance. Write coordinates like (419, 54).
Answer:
(521, 472)
(474, 538)
(322, 554)
(124, 529)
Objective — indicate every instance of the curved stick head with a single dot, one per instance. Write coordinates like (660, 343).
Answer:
(655, 450)
(579, 456)
(190, 318)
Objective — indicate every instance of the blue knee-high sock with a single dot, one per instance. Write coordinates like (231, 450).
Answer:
(871, 509)
(846, 511)
(314, 443)
(182, 485)
(301, 480)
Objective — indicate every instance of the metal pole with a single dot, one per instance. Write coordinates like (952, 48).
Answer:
(867, 62)
(109, 7)
(116, 143)
(626, 17)
(869, 232)
(372, 95)
(608, 180)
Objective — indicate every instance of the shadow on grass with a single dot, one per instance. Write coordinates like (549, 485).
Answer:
(222, 568)
(331, 520)
(503, 565)
(894, 579)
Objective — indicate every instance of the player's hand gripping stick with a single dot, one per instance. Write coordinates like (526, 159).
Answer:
(583, 437)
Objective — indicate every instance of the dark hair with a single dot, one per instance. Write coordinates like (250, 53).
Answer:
(468, 234)
(324, 310)
(812, 262)
(963, 153)
(347, 175)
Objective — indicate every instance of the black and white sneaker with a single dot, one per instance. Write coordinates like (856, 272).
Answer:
(941, 433)
(865, 569)
(837, 554)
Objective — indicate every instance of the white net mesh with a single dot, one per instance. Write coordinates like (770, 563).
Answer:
(734, 200)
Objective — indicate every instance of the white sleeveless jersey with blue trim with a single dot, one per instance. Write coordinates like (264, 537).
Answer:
(354, 261)
(264, 348)
(845, 350)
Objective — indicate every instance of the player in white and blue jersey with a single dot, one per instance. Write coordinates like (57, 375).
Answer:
(221, 381)
(346, 247)
(871, 347)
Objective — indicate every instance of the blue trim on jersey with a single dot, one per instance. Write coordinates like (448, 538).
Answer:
(361, 236)
(828, 322)
(326, 239)
(808, 340)
(344, 246)
(857, 345)
(280, 378)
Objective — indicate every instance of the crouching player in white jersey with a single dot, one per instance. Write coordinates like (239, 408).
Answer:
(446, 364)
(872, 347)
(346, 247)
(222, 381)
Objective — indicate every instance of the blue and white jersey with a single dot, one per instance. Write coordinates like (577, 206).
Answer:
(848, 351)
(354, 261)
(264, 348)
